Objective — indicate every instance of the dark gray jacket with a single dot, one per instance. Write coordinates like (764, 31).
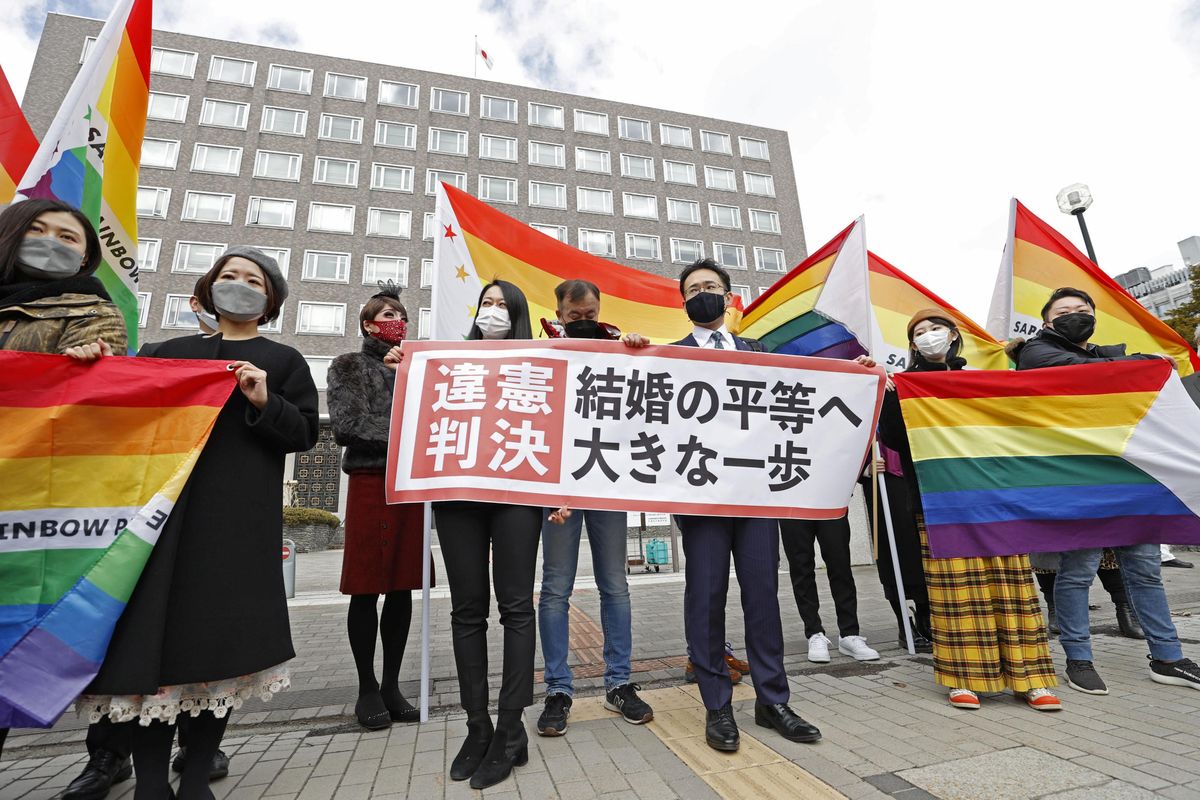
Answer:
(359, 395)
(1051, 349)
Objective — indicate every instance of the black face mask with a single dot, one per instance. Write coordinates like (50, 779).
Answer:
(705, 307)
(1077, 327)
(584, 329)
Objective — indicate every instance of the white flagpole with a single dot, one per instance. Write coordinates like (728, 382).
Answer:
(475, 58)
(886, 512)
(426, 569)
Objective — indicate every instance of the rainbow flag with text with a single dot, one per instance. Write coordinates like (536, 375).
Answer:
(92, 461)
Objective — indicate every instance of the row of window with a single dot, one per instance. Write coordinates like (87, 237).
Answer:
(271, 212)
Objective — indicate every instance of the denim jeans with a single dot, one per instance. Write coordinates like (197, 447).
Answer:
(560, 559)
(1141, 568)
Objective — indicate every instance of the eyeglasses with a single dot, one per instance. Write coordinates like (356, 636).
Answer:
(715, 288)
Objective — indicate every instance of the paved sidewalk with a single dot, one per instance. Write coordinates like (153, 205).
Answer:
(888, 731)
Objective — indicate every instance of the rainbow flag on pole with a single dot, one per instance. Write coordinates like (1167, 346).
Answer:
(474, 244)
(91, 463)
(1038, 259)
(89, 157)
(17, 142)
(1057, 459)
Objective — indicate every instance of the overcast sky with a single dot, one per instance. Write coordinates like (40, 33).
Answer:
(927, 117)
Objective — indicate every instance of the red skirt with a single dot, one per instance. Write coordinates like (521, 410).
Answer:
(383, 542)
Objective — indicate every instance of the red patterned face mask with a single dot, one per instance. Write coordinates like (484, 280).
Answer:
(391, 331)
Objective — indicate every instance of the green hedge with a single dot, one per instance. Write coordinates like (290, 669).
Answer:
(309, 516)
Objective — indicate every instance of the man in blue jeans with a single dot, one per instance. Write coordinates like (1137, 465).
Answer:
(1069, 320)
(578, 315)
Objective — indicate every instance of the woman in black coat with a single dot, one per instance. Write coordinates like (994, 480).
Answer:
(207, 625)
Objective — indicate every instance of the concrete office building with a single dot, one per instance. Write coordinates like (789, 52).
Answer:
(1163, 289)
(330, 164)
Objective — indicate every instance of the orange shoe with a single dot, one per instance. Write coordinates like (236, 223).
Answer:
(964, 698)
(734, 662)
(1043, 700)
(689, 674)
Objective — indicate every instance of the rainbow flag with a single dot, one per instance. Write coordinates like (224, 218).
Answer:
(92, 461)
(474, 244)
(820, 308)
(89, 157)
(1038, 259)
(17, 142)
(1047, 460)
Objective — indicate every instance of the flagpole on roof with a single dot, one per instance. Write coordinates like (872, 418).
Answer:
(475, 58)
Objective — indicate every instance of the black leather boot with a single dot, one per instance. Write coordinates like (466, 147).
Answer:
(1127, 622)
(479, 739)
(509, 748)
(1052, 618)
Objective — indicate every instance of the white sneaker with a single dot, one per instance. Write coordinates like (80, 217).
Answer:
(818, 648)
(856, 648)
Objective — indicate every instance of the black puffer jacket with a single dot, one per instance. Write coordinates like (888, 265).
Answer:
(360, 405)
(1051, 349)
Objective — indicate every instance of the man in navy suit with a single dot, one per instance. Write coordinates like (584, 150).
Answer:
(708, 543)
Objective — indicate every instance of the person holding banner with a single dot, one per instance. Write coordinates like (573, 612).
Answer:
(207, 625)
(383, 542)
(988, 629)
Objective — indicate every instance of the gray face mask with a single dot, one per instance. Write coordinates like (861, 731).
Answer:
(47, 259)
(208, 319)
(236, 301)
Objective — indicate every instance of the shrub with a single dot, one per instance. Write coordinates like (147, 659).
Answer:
(309, 516)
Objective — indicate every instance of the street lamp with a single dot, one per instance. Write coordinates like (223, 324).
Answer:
(1074, 200)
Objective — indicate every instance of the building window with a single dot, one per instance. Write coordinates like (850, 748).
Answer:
(686, 211)
(764, 221)
(217, 159)
(231, 70)
(448, 101)
(643, 206)
(172, 62)
(435, 176)
(336, 171)
(686, 251)
(160, 153)
(753, 148)
(724, 216)
(742, 291)
(267, 212)
(497, 190)
(152, 202)
(282, 256)
(675, 135)
(277, 166)
(679, 172)
(447, 142)
(208, 207)
(558, 232)
(196, 257)
(385, 268)
(391, 178)
(594, 201)
(640, 167)
(724, 180)
(345, 87)
(284, 121)
(224, 114)
(395, 134)
(497, 148)
(178, 314)
(591, 122)
(341, 129)
(545, 154)
(427, 226)
(88, 43)
(642, 247)
(147, 258)
(328, 319)
(769, 260)
(167, 107)
(318, 367)
(730, 256)
(545, 116)
(426, 273)
(547, 195)
(326, 267)
(592, 160)
(143, 306)
(389, 222)
(635, 130)
(598, 243)
(330, 218)
(394, 93)
(424, 323)
(720, 143)
(290, 79)
(498, 108)
(755, 183)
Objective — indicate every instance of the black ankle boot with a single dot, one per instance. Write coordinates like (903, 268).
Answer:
(1127, 622)
(509, 748)
(1052, 619)
(479, 739)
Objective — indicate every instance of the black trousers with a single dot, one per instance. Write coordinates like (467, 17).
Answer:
(799, 537)
(468, 532)
(908, 546)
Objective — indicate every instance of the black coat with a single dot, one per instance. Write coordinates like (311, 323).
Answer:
(360, 405)
(1051, 349)
(210, 603)
(1192, 384)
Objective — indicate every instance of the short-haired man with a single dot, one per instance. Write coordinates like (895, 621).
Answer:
(578, 311)
(1069, 321)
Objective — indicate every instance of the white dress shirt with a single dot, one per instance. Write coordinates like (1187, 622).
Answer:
(703, 337)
